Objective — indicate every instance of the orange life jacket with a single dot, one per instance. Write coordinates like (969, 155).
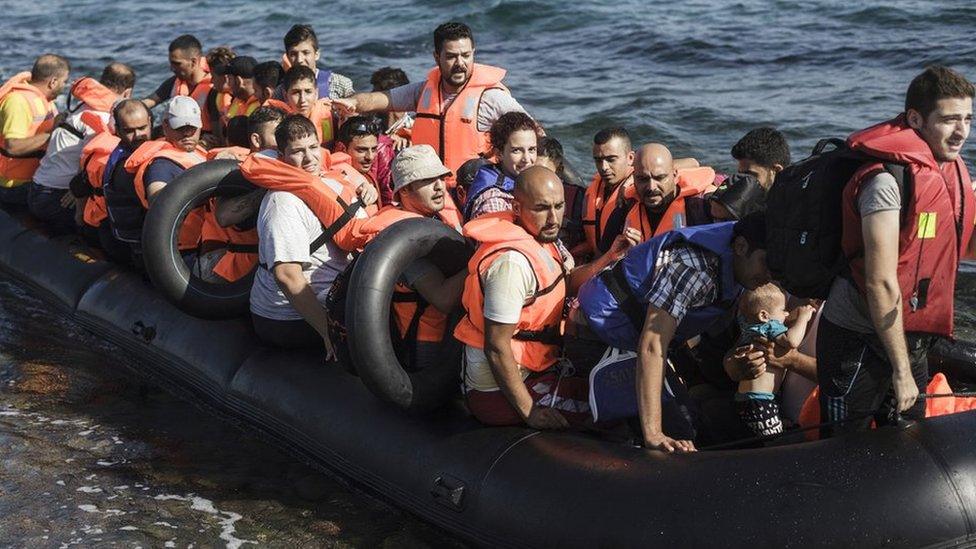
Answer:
(142, 157)
(410, 312)
(335, 205)
(239, 152)
(689, 182)
(199, 93)
(42, 111)
(93, 94)
(454, 132)
(272, 102)
(241, 108)
(241, 245)
(321, 117)
(94, 158)
(597, 210)
(536, 341)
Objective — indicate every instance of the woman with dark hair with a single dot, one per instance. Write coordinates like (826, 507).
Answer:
(514, 141)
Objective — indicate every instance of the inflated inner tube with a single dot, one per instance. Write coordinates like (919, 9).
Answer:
(368, 313)
(167, 269)
(957, 360)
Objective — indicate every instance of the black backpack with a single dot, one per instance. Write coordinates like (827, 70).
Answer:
(804, 217)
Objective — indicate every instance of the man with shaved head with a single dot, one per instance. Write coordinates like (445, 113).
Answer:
(518, 280)
(661, 187)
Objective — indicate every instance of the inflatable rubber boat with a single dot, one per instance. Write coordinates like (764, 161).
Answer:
(908, 487)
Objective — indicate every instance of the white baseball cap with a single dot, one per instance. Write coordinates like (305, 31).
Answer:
(183, 111)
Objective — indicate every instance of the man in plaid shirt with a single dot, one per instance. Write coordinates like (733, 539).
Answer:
(668, 290)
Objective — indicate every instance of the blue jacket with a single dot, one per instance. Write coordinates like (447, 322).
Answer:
(615, 301)
(487, 177)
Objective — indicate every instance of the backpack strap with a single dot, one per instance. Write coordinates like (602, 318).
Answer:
(616, 283)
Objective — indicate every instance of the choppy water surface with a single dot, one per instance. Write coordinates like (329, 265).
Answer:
(89, 455)
(92, 456)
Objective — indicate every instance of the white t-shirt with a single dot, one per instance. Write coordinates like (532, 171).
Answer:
(494, 102)
(61, 161)
(286, 229)
(508, 283)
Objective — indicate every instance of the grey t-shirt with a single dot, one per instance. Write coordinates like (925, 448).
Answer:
(494, 103)
(286, 229)
(845, 306)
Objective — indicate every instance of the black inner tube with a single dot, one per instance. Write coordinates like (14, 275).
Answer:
(368, 313)
(166, 267)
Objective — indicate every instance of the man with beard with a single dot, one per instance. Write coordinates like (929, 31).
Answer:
(661, 191)
(514, 294)
(456, 104)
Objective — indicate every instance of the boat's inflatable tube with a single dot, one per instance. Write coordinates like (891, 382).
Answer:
(368, 313)
(957, 360)
(512, 486)
(167, 269)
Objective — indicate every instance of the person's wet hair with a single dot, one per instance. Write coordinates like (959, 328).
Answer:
(237, 134)
(552, 149)
(264, 115)
(935, 83)
(118, 77)
(509, 123)
(604, 136)
(359, 126)
(388, 78)
(293, 127)
(49, 65)
(753, 228)
(187, 43)
(268, 74)
(451, 31)
(296, 74)
(128, 105)
(298, 34)
(218, 58)
(765, 146)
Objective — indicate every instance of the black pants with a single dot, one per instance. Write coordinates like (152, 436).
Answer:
(287, 334)
(44, 203)
(855, 378)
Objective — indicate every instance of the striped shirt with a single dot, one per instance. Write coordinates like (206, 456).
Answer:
(685, 278)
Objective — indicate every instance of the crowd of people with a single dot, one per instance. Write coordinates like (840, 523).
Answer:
(658, 255)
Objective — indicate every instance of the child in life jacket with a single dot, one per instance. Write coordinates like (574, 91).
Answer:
(764, 315)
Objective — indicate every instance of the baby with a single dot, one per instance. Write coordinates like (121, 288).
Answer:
(764, 313)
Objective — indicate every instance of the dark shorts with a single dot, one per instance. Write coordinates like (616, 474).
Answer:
(44, 203)
(855, 378)
(286, 334)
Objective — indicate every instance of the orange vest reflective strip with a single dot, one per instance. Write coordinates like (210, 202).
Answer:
(42, 113)
(454, 133)
(140, 160)
(94, 158)
(242, 245)
(321, 117)
(597, 210)
(199, 93)
(93, 94)
(539, 324)
(334, 206)
(242, 108)
(690, 182)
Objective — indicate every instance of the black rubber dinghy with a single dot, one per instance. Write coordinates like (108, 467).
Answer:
(167, 268)
(516, 487)
(367, 315)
